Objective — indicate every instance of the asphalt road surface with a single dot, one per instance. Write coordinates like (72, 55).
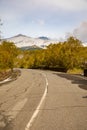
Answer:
(64, 107)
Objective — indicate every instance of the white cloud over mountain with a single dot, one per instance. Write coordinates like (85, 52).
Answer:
(81, 32)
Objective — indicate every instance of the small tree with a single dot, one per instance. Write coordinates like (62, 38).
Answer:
(8, 53)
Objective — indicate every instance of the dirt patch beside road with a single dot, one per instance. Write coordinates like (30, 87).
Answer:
(10, 75)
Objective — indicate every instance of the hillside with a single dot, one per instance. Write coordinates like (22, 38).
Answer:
(23, 41)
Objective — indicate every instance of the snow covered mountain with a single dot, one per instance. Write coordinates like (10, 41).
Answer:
(25, 41)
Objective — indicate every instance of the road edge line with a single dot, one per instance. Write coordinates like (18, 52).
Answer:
(39, 105)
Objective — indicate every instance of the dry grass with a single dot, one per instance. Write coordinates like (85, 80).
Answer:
(75, 71)
(6, 74)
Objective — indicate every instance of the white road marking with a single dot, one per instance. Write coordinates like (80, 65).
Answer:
(38, 107)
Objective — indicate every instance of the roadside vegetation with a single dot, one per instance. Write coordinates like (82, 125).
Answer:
(8, 54)
(68, 56)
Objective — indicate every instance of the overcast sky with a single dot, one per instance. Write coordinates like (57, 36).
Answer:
(51, 18)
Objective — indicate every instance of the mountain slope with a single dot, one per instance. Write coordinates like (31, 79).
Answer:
(25, 41)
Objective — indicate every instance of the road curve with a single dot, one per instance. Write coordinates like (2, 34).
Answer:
(19, 99)
(64, 107)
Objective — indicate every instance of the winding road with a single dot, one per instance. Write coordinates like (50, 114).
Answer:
(44, 100)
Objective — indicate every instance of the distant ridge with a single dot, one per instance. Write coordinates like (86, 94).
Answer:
(44, 38)
(23, 41)
(26, 42)
(18, 35)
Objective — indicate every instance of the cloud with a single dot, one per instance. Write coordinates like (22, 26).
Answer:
(19, 8)
(56, 15)
(39, 22)
(72, 5)
(81, 32)
(29, 5)
(57, 4)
